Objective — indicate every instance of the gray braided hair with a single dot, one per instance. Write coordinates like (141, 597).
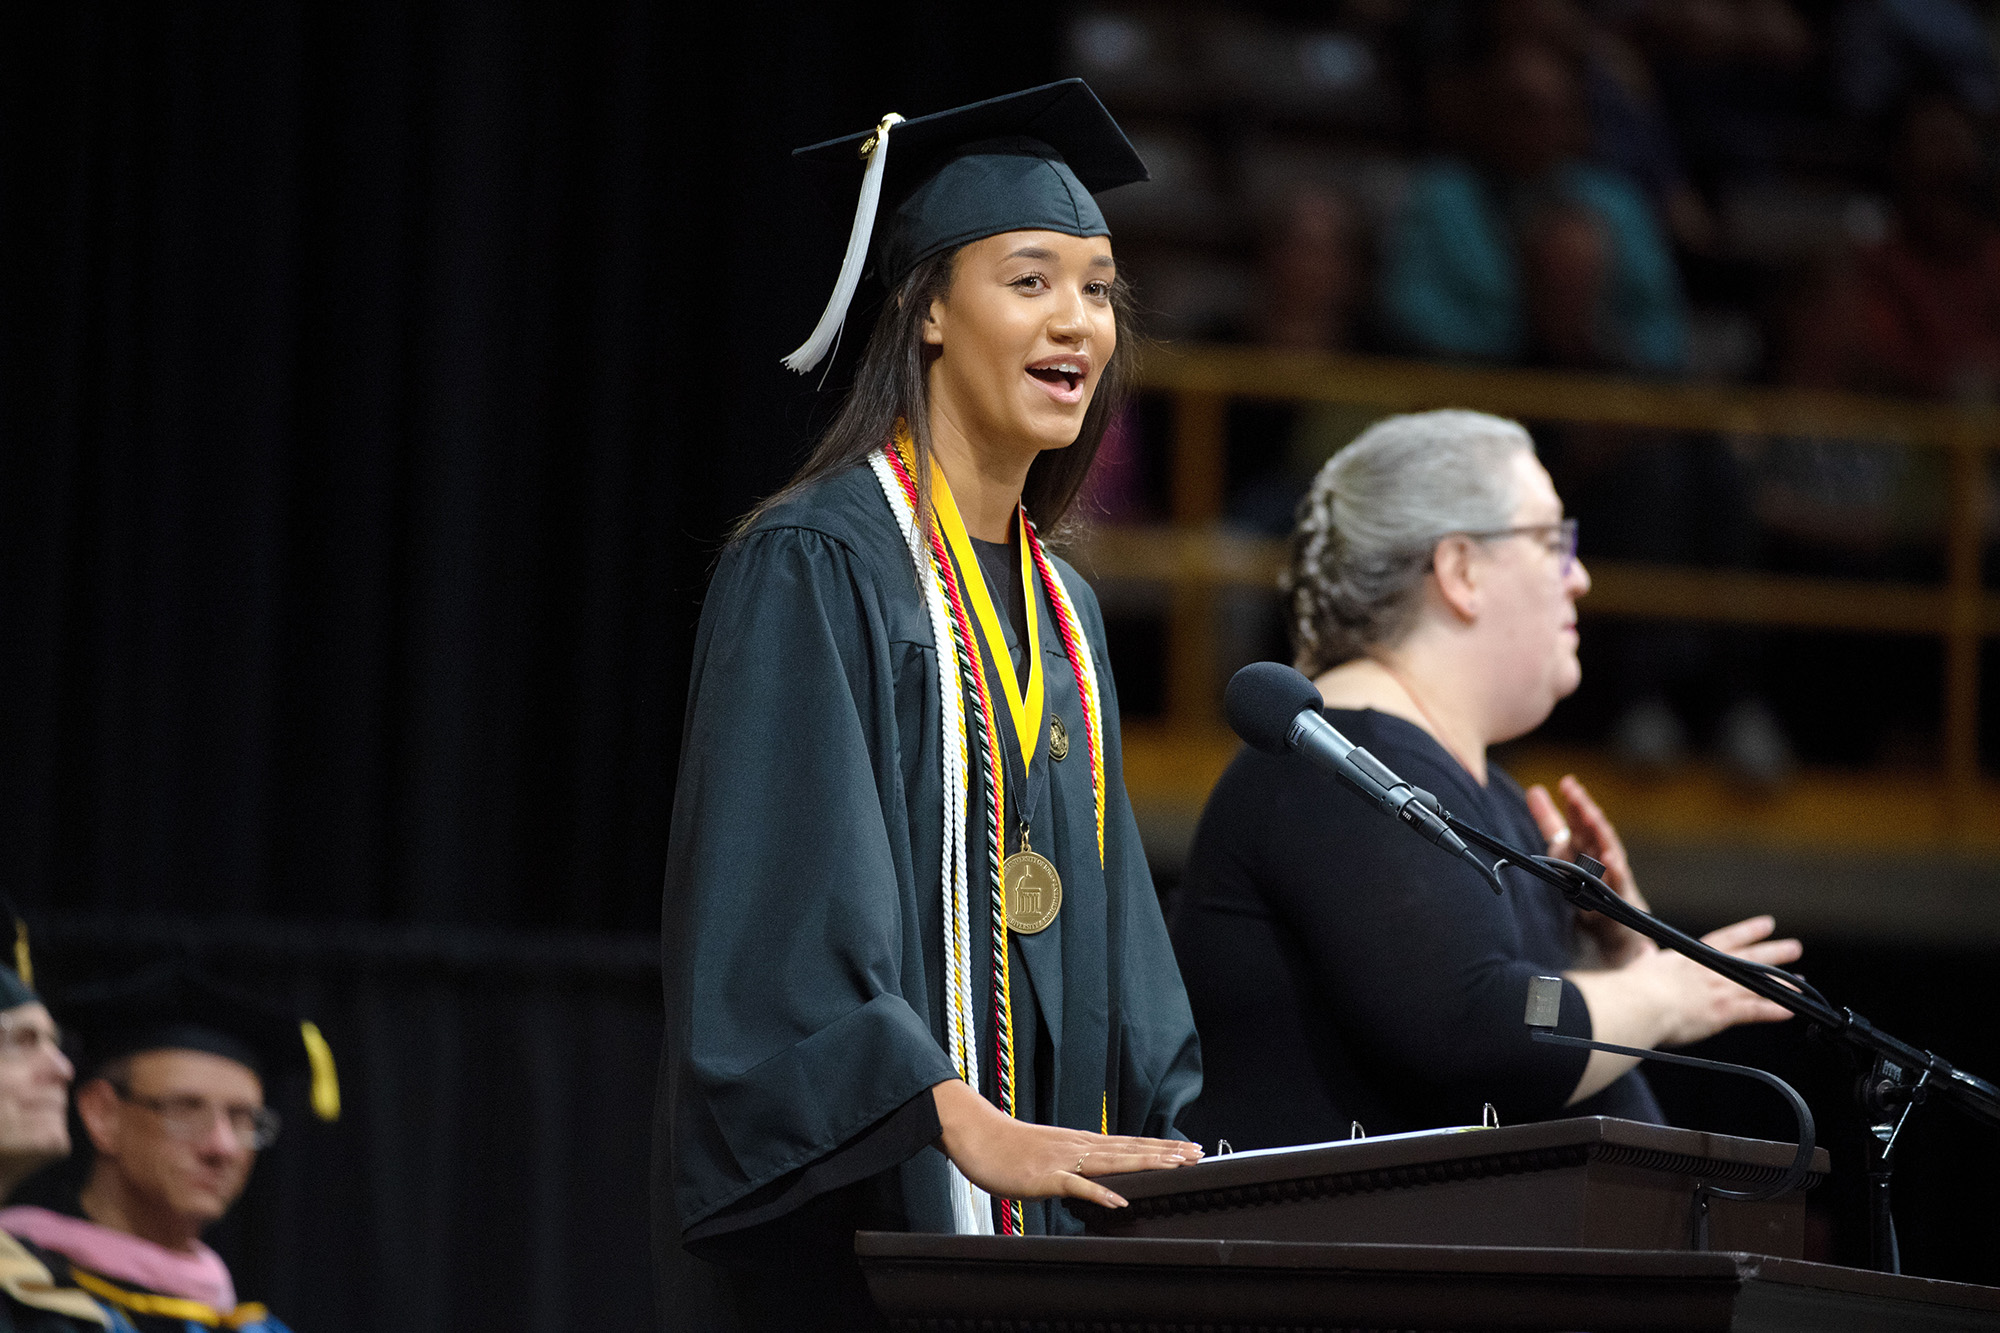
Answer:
(1375, 513)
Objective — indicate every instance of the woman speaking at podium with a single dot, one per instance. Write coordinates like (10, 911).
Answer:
(915, 973)
(1343, 971)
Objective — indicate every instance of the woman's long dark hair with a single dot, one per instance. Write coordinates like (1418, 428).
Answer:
(891, 383)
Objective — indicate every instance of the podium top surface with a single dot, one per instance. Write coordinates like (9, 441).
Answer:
(1542, 1145)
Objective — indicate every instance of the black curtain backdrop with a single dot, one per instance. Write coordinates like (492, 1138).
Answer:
(376, 385)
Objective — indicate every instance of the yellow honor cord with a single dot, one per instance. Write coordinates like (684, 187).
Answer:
(1026, 708)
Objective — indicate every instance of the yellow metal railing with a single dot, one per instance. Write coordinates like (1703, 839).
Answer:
(1194, 557)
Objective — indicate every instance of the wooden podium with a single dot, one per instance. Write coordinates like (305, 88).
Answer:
(1566, 1225)
(1592, 1182)
(1088, 1284)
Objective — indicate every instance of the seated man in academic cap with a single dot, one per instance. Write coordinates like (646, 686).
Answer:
(172, 1095)
(34, 1131)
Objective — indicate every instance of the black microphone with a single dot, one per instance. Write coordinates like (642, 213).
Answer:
(1277, 710)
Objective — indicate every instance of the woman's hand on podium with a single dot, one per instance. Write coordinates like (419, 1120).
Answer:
(1015, 1159)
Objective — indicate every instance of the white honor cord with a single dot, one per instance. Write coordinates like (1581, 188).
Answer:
(971, 1207)
(814, 349)
(961, 1031)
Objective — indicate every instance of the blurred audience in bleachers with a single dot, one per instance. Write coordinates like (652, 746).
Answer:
(1313, 293)
(1678, 167)
(1919, 310)
(1915, 312)
(1514, 246)
(1789, 192)
(1887, 50)
(1312, 281)
(1630, 130)
(1737, 78)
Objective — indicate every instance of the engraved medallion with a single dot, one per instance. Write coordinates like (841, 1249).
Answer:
(1058, 738)
(1033, 892)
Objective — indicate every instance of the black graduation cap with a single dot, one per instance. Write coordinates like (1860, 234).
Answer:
(174, 1007)
(1027, 161)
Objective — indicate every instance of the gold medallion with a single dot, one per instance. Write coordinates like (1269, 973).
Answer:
(1033, 892)
(1058, 739)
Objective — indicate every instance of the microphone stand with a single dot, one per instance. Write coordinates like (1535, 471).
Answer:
(1900, 1075)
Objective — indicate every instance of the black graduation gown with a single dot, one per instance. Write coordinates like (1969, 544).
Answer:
(17, 1316)
(35, 1298)
(802, 936)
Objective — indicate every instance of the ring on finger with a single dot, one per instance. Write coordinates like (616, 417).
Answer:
(1078, 1169)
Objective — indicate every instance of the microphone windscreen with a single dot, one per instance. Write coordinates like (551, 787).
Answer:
(1261, 701)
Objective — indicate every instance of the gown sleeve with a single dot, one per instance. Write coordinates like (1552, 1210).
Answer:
(789, 930)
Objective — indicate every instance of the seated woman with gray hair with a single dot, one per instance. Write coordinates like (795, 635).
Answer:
(1341, 970)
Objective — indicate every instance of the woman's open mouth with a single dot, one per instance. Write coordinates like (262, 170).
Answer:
(1062, 376)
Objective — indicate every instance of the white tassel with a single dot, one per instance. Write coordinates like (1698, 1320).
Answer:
(815, 348)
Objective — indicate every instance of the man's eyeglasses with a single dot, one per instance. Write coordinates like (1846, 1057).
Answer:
(189, 1118)
(1559, 538)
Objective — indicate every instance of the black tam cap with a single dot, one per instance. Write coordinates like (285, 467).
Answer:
(1029, 161)
(174, 1007)
(15, 992)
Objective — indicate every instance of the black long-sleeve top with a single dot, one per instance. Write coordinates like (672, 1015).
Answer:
(1342, 969)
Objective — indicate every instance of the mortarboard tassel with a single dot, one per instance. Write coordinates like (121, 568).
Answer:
(23, 964)
(875, 149)
(325, 1084)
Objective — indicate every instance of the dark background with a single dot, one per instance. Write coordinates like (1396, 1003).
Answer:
(377, 384)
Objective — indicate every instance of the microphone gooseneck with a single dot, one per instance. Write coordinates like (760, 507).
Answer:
(1544, 1012)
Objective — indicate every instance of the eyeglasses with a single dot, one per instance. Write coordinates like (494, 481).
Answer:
(22, 1039)
(189, 1118)
(1559, 537)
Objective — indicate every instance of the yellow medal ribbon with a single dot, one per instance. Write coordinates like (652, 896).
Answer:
(1026, 708)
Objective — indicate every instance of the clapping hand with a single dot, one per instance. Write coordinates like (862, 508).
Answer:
(1579, 827)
